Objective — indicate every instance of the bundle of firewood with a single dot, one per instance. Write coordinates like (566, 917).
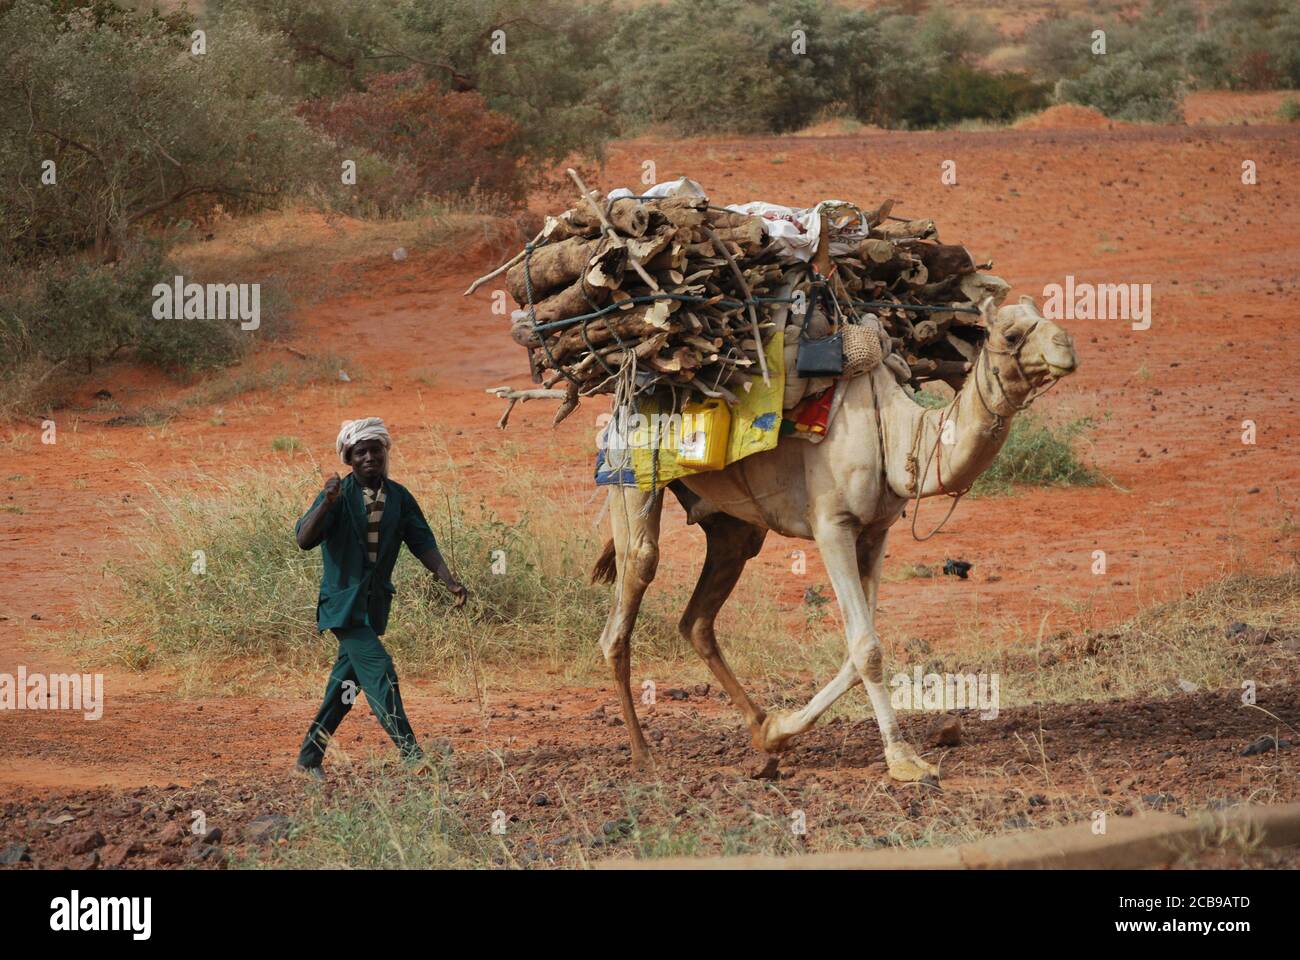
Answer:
(684, 291)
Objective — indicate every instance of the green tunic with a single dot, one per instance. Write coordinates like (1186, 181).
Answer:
(354, 593)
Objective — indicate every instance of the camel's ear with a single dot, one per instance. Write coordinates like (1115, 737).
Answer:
(988, 311)
(1030, 304)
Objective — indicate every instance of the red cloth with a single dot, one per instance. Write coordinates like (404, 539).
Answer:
(811, 413)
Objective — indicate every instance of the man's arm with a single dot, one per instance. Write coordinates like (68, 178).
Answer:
(312, 528)
(432, 560)
(420, 541)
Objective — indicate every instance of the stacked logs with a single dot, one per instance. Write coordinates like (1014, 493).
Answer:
(679, 284)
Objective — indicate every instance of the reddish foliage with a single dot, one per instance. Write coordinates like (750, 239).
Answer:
(1258, 71)
(450, 141)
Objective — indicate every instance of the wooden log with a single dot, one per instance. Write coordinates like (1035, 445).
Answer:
(551, 267)
(572, 301)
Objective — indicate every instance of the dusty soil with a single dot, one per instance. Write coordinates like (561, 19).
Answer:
(1188, 501)
(1067, 116)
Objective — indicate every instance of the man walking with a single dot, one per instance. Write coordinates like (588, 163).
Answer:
(360, 523)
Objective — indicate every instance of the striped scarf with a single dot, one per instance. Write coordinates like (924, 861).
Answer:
(374, 512)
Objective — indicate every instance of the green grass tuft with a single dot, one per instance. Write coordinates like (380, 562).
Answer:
(1039, 454)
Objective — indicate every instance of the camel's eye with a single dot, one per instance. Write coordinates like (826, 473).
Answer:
(1013, 338)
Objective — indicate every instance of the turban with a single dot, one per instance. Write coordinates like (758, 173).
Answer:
(354, 431)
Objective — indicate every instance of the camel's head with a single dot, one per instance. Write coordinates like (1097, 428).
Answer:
(1027, 350)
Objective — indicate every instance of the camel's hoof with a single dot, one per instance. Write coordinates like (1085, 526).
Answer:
(767, 738)
(906, 767)
(769, 771)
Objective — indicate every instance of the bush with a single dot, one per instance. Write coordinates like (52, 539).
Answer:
(957, 93)
(1036, 453)
(1122, 87)
(136, 126)
(257, 600)
(1060, 47)
(545, 82)
(439, 143)
(79, 314)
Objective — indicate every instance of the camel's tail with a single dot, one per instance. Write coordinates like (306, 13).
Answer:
(606, 565)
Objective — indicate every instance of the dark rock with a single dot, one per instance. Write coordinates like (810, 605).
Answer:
(82, 843)
(171, 835)
(15, 853)
(117, 855)
(129, 808)
(268, 828)
(948, 733)
(1235, 628)
(541, 800)
(87, 861)
(676, 693)
(615, 830)
(213, 835)
(700, 690)
(1265, 744)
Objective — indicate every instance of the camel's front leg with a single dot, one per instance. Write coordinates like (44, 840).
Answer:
(781, 726)
(838, 545)
(636, 550)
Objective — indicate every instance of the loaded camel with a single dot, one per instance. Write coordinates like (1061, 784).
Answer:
(845, 493)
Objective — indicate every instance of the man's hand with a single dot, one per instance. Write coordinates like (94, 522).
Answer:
(311, 529)
(458, 590)
(332, 488)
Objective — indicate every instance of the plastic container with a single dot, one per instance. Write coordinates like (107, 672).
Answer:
(706, 428)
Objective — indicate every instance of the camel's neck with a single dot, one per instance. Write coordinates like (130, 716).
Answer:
(943, 450)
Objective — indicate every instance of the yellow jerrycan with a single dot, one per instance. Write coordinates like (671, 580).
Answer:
(705, 430)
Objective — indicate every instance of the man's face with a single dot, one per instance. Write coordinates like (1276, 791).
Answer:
(369, 460)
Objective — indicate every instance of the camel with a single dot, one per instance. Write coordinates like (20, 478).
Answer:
(882, 450)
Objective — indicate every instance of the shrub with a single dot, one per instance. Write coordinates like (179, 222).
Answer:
(440, 143)
(1060, 47)
(137, 128)
(1121, 86)
(78, 314)
(1036, 453)
(545, 83)
(957, 93)
(257, 599)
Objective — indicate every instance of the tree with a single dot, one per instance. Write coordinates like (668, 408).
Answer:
(136, 125)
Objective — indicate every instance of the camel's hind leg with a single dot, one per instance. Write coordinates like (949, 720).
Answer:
(731, 543)
(636, 551)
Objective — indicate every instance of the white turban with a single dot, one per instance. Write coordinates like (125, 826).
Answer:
(354, 431)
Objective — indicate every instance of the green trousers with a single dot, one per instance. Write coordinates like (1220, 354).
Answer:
(363, 662)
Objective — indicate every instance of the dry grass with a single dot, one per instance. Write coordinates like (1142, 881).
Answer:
(1147, 655)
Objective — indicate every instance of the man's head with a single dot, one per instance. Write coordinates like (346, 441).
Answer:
(369, 460)
(363, 445)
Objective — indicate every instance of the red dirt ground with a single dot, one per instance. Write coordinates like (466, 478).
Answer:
(1188, 502)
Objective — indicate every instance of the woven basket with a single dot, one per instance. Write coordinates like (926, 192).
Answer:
(861, 350)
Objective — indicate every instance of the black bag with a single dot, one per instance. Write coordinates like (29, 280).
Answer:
(819, 356)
